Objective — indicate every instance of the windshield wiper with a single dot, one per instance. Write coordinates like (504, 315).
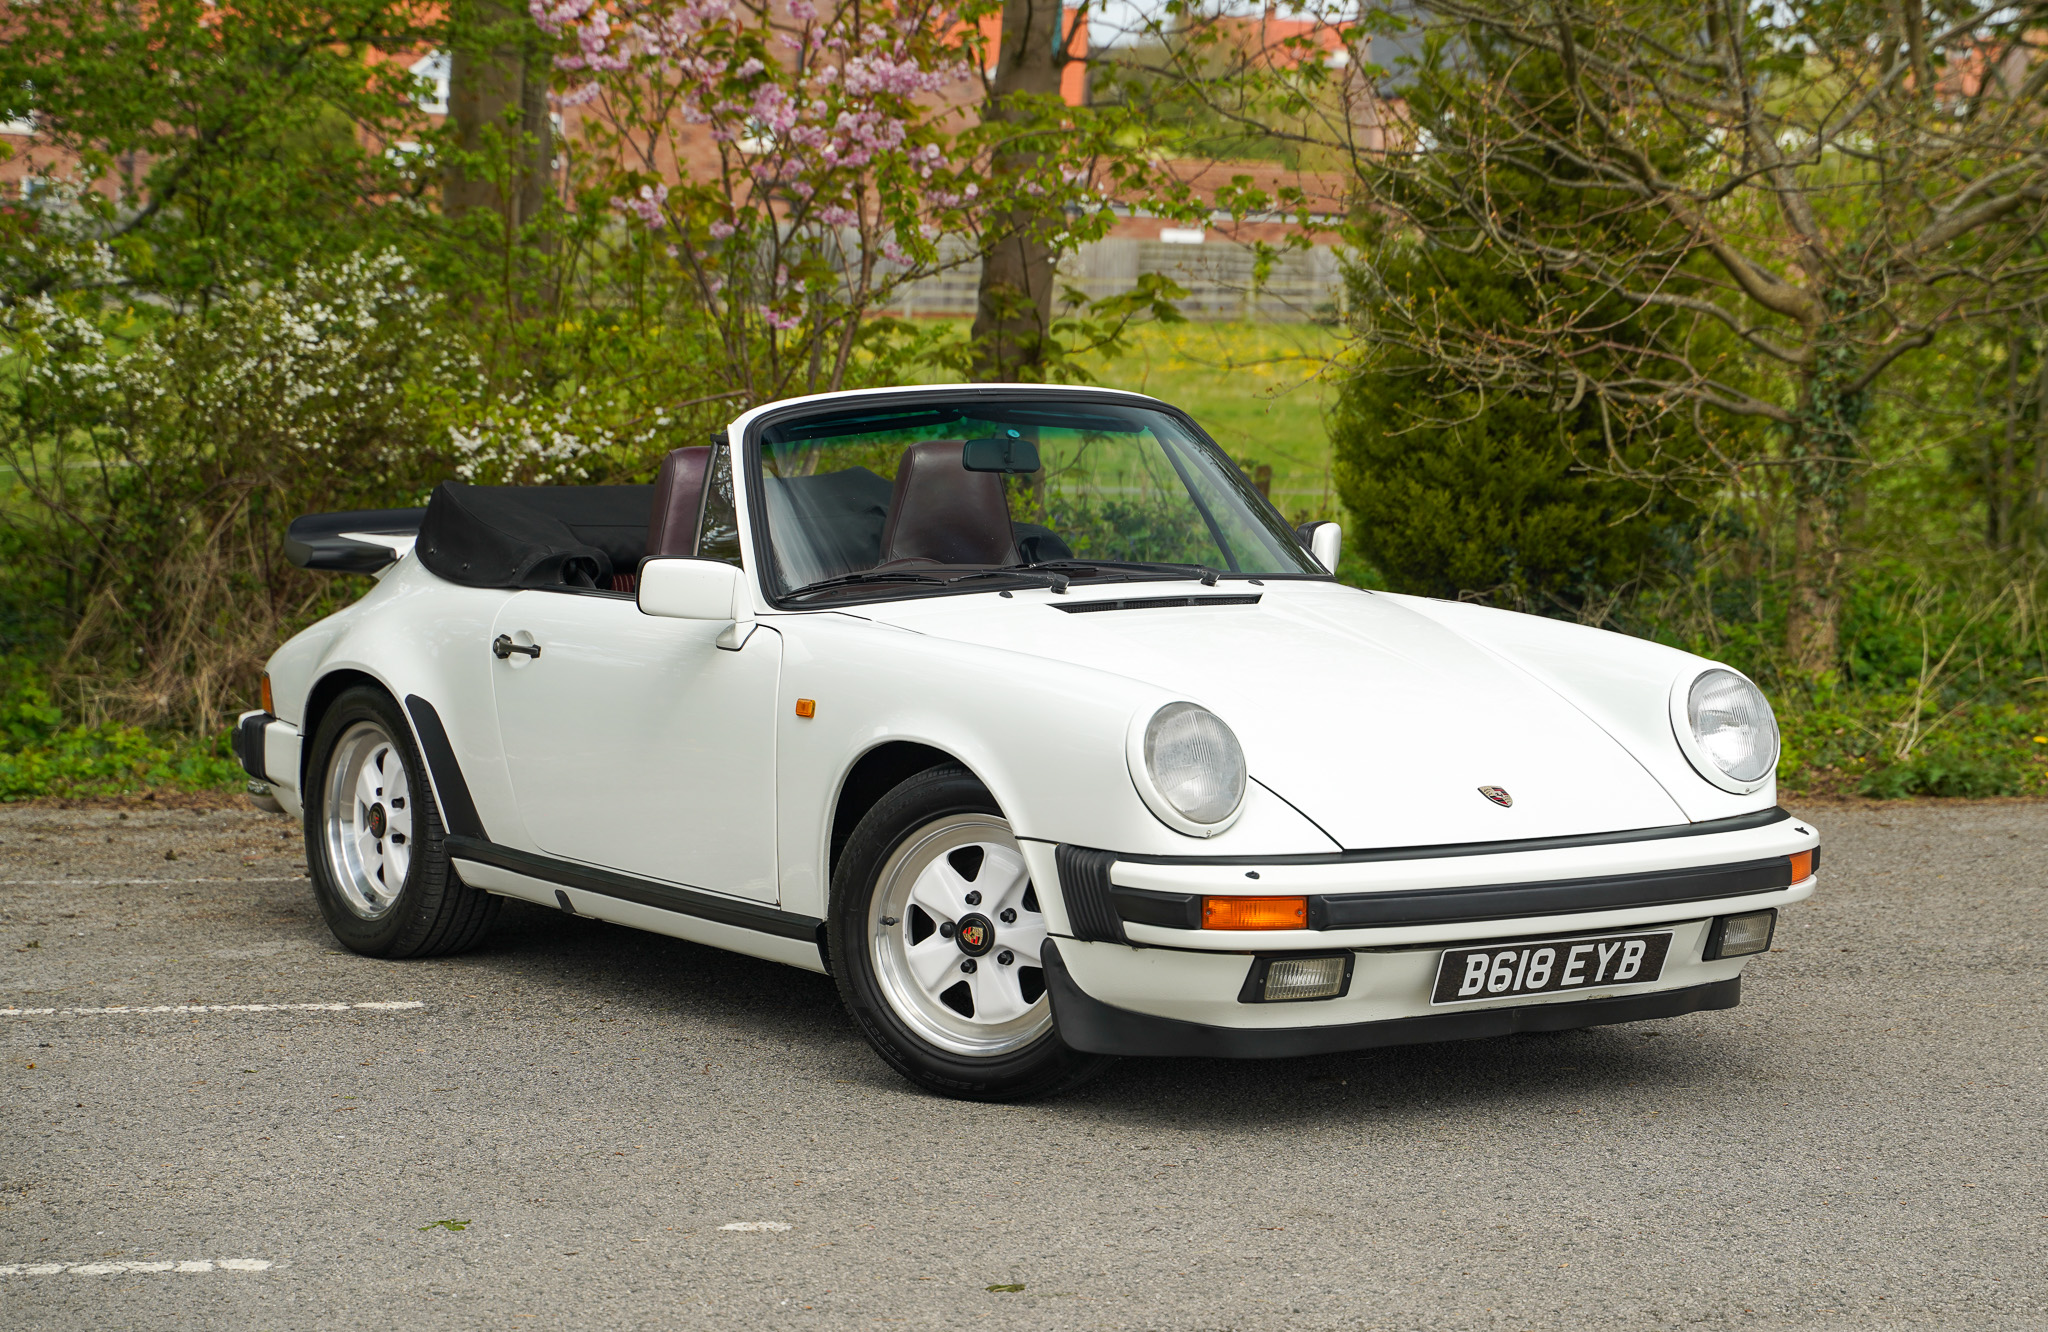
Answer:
(1056, 581)
(1083, 568)
(1055, 574)
(869, 576)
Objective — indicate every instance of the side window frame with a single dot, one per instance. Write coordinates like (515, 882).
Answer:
(719, 505)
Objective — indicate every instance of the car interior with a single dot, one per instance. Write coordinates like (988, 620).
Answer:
(935, 512)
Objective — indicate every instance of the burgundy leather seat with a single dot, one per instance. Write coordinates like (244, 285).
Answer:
(672, 524)
(943, 513)
(678, 500)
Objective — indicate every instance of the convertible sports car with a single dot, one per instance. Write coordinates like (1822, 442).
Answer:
(1024, 715)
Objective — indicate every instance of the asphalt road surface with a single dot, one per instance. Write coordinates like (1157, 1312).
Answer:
(563, 1128)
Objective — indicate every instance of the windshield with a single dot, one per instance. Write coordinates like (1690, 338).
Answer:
(896, 499)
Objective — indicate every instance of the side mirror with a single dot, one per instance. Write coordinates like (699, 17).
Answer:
(1325, 541)
(688, 589)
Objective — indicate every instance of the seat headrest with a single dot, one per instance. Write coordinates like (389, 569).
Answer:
(944, 513)
(678, 500)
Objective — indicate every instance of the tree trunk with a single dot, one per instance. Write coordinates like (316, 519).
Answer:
(2037, 412)
(500, 82)
(1013, 306)
(1826, 456)
(1812, 631)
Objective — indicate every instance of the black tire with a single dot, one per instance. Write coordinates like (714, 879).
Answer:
(433, 912)
(1041, 1067)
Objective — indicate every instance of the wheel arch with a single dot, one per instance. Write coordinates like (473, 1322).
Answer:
(320, 698)
(873, 775)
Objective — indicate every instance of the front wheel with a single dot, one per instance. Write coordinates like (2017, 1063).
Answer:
(373, 838)
(936, 933)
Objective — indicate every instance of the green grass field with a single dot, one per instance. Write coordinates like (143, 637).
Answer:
(1259, 389)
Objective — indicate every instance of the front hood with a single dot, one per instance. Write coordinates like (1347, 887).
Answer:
(1379, 724)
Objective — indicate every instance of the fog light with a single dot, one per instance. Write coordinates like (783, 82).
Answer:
(1739, 936)
(1276, 980)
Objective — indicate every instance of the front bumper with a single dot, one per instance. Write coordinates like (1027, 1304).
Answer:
(1132, 969)
(1087, 1024)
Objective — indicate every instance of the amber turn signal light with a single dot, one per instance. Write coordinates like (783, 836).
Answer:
(807, 707)
(1802, 866)
(1255, 913)
(268, 706)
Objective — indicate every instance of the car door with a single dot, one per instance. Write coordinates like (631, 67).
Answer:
(636, 743)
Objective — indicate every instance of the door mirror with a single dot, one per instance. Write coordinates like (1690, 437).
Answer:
(687, 589)
(1324, 540)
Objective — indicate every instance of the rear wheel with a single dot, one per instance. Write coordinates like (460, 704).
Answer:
(374, 841)
(936, 935)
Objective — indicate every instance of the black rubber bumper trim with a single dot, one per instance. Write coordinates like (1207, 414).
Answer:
(645, 892)
(249, 744)
(1091, 1026)
(1084, 887)
(1762, 818)
(458, 811)
(1455, 906)
(1560, 897)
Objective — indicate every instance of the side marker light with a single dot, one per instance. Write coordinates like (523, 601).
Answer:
(807, 707)
(1802, 865)
(1255, 913)
(268, 706)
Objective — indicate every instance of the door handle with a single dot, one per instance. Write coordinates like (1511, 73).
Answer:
(505, 647)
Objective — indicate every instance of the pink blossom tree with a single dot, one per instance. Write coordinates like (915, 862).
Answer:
(799, 163)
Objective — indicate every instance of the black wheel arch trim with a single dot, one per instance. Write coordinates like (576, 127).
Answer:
(756, 916)
(458, 809)
(1094, 1027)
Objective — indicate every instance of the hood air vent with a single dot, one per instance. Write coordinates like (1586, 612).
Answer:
(1155, 603)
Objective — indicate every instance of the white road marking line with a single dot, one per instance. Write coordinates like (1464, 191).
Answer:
(757, 1225)
(388, 1006)
(113, 1269)
(139, 883)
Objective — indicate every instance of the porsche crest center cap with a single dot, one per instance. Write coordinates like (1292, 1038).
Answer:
(377, 820)
(974, 934)
(1498, 795)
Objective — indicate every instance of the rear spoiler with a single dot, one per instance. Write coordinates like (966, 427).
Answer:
(362, 541)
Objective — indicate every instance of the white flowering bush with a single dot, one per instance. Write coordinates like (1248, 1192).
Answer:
(160, 457)
(318, 373)
(527, 435)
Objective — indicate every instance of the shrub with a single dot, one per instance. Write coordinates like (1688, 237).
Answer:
(1457, 492)
(160, 458)
(41, 756)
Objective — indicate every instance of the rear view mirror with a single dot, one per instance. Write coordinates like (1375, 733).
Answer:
(1008, 452)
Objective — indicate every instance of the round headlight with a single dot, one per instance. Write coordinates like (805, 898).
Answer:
(1732, 722)
(1195, 763)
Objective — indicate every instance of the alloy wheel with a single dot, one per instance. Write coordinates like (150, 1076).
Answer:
(369, 818)
(955, 932)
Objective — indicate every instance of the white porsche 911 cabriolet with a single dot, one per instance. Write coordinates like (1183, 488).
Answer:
(1024, 715)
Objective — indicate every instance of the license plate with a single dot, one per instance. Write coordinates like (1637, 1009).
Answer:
(1508, 970)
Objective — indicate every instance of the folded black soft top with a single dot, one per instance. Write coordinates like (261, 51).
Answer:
(534, 536)
(493, 536)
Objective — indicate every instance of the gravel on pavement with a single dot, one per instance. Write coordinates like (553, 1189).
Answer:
(580, 1126)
